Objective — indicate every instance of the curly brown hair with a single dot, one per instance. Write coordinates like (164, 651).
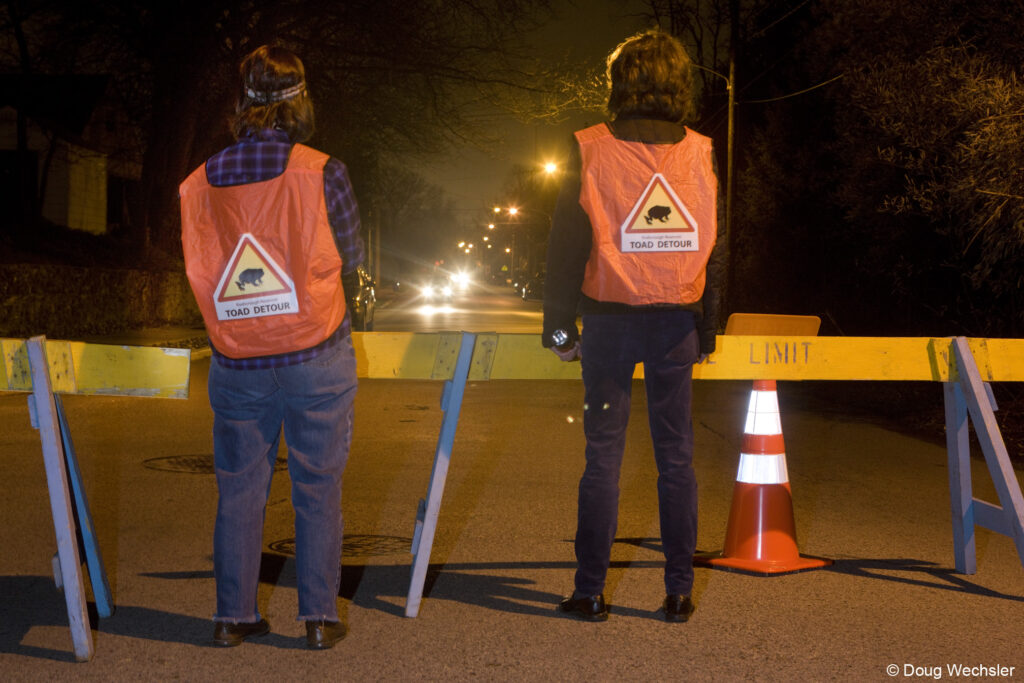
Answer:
(273, 94)
(650, 75)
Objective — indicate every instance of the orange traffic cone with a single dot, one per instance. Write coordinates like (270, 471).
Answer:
(761, 535)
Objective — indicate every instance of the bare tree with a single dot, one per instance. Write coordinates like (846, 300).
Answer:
(389, 77)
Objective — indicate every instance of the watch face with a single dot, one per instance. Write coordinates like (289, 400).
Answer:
(560, 337)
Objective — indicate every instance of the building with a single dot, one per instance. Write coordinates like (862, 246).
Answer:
(62, 155)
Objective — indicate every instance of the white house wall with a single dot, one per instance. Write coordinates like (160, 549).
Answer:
(87, 190)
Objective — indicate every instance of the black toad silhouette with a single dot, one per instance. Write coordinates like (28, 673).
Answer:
(250, 276)
(659, 213)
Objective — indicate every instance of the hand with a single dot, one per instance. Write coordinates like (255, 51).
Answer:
(568, 352)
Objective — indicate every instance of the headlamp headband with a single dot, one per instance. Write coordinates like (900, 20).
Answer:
(275, 95)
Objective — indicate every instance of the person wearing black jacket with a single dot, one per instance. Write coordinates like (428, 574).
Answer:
(611, 260)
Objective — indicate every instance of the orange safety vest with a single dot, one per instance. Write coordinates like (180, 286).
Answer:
(262, 260)
(653, 210)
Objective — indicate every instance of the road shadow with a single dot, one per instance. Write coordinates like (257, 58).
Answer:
(489, 585)
(915, 573)
(33, 602)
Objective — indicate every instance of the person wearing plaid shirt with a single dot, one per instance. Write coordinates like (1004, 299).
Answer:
(309, 391)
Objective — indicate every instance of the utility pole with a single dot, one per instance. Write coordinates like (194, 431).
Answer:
(734, 33)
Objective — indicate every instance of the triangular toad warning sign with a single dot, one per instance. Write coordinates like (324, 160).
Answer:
(253, 285)
(659, 221)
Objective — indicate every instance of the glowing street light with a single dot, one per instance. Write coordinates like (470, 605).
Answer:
(550, 168)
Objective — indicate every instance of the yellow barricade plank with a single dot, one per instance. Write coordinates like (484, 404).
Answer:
(856, 358)
(132, 370)
(77, 367)
(100, 369)
(999, 358)
(520, 356)
(62, 367)
(17, 375)
(395, 355)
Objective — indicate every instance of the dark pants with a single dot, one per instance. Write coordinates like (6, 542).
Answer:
(666, 343)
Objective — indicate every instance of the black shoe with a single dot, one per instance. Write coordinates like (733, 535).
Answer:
(227, 634)
(322, 635)
(591, 608)
(678, 607)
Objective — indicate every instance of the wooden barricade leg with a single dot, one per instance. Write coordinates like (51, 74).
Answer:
(90, 546)
(958, 449)
(1008, 519)
(426, 515)
(44, 417)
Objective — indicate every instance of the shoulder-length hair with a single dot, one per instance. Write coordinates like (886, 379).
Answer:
(650, 75)
(272, 94)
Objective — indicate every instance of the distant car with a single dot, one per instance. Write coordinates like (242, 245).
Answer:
(533, 288)
(461, 280)
(364, 303)
(438, 290)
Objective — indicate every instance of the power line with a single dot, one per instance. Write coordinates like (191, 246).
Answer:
(794, 94)
(785, 16)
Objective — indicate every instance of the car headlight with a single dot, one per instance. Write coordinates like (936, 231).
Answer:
(447, 291)
(428, 291)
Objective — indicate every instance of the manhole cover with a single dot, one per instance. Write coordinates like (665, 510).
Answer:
(201, 463)
(356, 545)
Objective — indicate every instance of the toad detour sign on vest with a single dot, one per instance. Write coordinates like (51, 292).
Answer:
(262, 260)
(654, 217)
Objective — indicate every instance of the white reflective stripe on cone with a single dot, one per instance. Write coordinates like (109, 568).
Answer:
(763, 414)
(762, 469)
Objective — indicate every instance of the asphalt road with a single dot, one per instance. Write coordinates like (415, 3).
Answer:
(483, 308)
(873, 499)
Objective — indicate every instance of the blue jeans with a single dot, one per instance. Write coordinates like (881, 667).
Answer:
(314, 401)
(611, 346)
